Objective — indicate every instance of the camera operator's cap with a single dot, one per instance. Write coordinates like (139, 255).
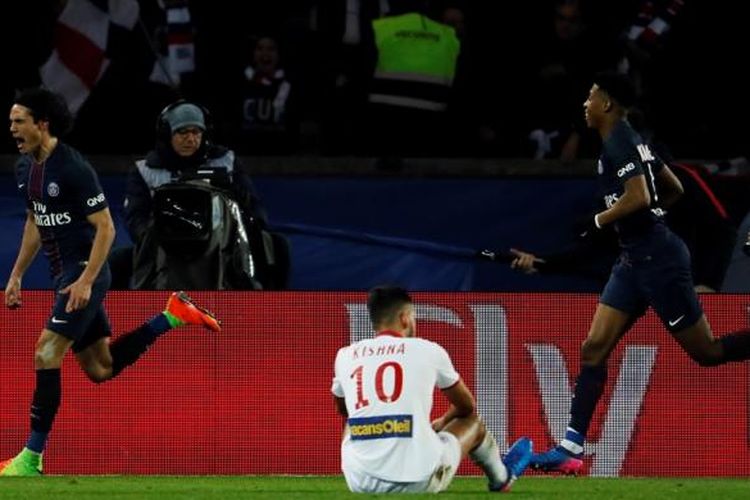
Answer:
(186, 115)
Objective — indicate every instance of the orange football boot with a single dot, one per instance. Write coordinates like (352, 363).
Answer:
(187, 312)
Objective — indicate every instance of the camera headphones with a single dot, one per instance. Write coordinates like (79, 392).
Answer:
(164, 129)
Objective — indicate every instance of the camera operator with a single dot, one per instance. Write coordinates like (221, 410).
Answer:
(183, 153)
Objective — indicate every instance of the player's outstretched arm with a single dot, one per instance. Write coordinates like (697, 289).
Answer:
(525, 261)
(30, 244)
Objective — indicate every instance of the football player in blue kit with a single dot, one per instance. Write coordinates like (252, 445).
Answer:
(68, 218)
(653, 268)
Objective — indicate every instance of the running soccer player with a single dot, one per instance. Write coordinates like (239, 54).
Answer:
(384, 385)
(67, 216)
(653, 268)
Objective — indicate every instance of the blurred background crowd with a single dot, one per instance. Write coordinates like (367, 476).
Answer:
(296, 76)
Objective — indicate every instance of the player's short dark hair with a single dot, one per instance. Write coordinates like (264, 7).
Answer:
(383, 302)
(47, 106)
(618, 86)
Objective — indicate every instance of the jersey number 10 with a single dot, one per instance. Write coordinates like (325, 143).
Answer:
(398, 383)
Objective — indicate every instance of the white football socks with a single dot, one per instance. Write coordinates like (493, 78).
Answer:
(487, 456)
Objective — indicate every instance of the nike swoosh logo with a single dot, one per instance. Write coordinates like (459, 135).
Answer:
(20, 186)
(674, 322)
(55, 320)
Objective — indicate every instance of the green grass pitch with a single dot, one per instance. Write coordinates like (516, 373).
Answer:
(331, 487)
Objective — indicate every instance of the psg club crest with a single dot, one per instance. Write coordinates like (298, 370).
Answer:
(53, 189)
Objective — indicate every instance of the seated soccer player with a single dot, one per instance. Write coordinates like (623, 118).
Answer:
(384, 386)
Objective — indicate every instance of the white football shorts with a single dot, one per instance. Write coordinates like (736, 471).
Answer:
(450, 458)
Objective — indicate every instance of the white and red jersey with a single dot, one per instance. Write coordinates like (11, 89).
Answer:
(388, 382)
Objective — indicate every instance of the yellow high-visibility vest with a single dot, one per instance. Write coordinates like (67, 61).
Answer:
(416, 62)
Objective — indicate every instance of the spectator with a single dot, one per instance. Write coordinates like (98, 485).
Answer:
(454, 16)
(268, 123)
(175, 45)
(568, 57)
(183, 157)
(340, 59)
(412, 81)
(476, 114)
(645, 36)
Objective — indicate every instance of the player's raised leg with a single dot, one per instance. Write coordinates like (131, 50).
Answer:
(180, 311)
(103, 361)
(706, 350)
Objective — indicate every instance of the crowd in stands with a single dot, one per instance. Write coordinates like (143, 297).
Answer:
(307, 76)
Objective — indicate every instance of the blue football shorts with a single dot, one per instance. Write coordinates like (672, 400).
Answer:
(655, 274)
(84, 326)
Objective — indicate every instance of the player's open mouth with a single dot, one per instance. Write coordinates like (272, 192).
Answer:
(20, 141)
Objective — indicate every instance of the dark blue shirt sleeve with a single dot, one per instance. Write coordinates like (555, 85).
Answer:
(85, 185)
(21, 174)
(625, 162)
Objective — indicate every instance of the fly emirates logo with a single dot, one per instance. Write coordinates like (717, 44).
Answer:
(44, 219)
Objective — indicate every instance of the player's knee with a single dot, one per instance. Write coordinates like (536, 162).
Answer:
(706, 354)
(481, 429)
(98, 374)
(98, 377)
(707, 359)
(45, 356)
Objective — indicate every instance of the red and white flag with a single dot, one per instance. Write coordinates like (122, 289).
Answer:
(79, 58)
(178, 56)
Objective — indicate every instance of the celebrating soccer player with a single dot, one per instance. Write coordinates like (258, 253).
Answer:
(68, 217)
(653, 268)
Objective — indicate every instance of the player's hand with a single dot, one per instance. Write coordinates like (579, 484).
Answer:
(524, 261)
(80, 294)
(438, 424)
(589, 227)
(13, 293)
